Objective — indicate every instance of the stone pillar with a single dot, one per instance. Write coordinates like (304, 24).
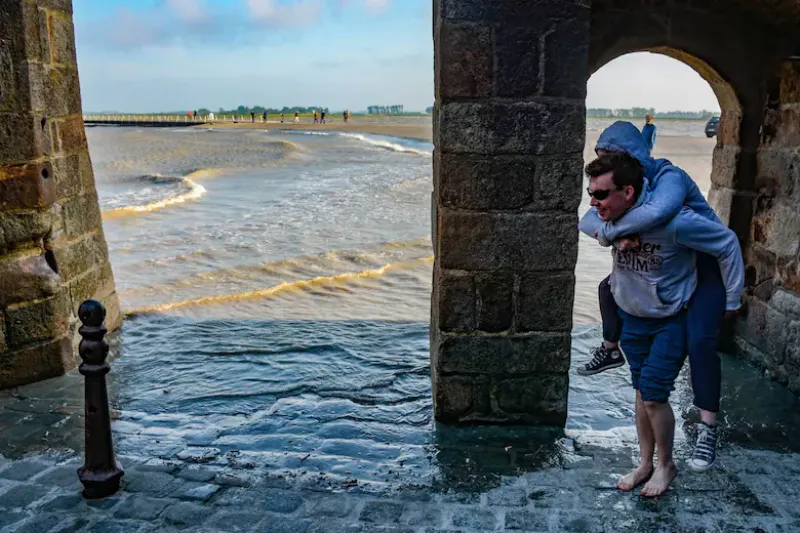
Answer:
(509, 132)
(53, 254)
(769, 332)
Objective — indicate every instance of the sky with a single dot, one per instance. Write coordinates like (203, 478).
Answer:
(170, 55)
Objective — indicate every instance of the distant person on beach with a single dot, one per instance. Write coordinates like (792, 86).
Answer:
(346, 115)
(315, 117)
(652, 283)
(649, 133)
(671, 190)
(265, 115)
(281, 118)
(322, 117)
(296, 117)
(253, 116)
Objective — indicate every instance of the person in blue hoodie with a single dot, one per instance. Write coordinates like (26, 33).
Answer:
(671, 189)
(652, 285)
(649, 133)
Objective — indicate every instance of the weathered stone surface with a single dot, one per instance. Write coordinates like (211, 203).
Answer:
(495, 306)
(38, 321)
(22, 228)
(539, 399)
(21, 139)
(765, 328)
(464, 62)
(378, 512)
(79, 256)
(63, 40)
(456, 302)
(458, 396)
(22, 496)
(555, 127)
(27, 186)
(545, 301)
(62, 96)
(786, 302)
(35, 363)
(81, 216)
(527, 520)
(538, 353)
(187, 514)
(499, 241)
(723, 169)
(65, 6)
(97, 283)
(3, 335)
(24, 470)
(71, 135)
(141, 508)
(480, 519)
(26, 277)
(520, 57)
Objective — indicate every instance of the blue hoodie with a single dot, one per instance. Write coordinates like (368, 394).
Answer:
(649, 134)
(659, 278)
(671, 187)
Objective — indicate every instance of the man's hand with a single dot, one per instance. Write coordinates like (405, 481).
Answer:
(627, 244)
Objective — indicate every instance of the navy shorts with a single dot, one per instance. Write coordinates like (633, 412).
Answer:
(655, 350)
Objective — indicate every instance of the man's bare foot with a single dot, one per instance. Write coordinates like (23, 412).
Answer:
(660, 481)
(635, 478)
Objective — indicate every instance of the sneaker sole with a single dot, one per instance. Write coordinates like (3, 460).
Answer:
(582, 372)
(700, 469)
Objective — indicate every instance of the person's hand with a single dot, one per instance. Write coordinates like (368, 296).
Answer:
(627, 244)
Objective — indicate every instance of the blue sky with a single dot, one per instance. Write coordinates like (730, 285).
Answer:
(159, 55)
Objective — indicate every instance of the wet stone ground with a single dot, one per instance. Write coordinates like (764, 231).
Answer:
(312, 462)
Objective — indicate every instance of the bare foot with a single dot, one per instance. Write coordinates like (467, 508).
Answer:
(635, 478)
(660, 481)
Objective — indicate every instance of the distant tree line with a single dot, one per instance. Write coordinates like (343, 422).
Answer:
(259, 110)
(640, 112)
(385, 110)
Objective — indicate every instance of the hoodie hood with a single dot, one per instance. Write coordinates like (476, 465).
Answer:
(623, 136)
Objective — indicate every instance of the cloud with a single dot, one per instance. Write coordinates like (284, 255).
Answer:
(190, 11)
(376, 6)
(273, 13)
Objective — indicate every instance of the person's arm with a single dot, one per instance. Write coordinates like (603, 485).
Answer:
(590, 224)
(704, 235)
(663, 205)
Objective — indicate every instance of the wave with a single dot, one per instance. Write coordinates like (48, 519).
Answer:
(386, 144)
(338, 281)
(301, 132)
(194, 192)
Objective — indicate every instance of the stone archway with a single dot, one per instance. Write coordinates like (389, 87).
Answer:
(509, 124)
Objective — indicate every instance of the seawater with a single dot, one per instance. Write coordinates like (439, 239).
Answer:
(277, 295)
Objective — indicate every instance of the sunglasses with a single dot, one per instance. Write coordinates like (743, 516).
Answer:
(600, 194)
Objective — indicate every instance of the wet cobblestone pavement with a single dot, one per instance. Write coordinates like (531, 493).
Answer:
(328, 465)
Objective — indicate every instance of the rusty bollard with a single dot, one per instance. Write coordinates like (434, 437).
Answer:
(101, 472)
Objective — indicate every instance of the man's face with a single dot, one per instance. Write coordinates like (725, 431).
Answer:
(610, 202)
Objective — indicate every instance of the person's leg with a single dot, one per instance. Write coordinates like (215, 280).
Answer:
(705, 313)
(635, 342)
(659, 372)
(607, 355)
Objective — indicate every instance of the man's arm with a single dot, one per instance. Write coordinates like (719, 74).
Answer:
(591, 223)
(704, 235)
(662, 206)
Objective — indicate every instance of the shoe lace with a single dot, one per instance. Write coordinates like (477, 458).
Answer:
(706, 443)
(598, 355)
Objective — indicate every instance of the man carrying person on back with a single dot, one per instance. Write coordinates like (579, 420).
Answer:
(671, 188)
(652, 284)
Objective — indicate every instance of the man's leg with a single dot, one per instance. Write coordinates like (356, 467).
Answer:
(659, 372)
(636, 345)
(704, 318)
(607, 355)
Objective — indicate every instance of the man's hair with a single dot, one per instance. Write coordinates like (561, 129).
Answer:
(626, 170)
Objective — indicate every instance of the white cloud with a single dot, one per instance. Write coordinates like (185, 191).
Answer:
(282, 14)
(189, 11)
(376, 6)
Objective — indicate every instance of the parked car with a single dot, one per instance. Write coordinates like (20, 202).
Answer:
(711, 127)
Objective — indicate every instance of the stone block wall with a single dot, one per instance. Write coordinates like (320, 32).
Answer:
(769, 333)
(509, 130)
(53, 254)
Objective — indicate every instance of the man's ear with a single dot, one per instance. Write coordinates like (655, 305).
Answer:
(629, 192)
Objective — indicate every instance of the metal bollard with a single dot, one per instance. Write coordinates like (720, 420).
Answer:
(101, 472)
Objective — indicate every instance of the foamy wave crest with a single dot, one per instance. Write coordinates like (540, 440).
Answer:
(338, 281)
(195, 192)
(302, 132)
(386, 144)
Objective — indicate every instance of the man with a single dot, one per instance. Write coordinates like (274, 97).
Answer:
(671, 188)
(649, 133)
(652, 286)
